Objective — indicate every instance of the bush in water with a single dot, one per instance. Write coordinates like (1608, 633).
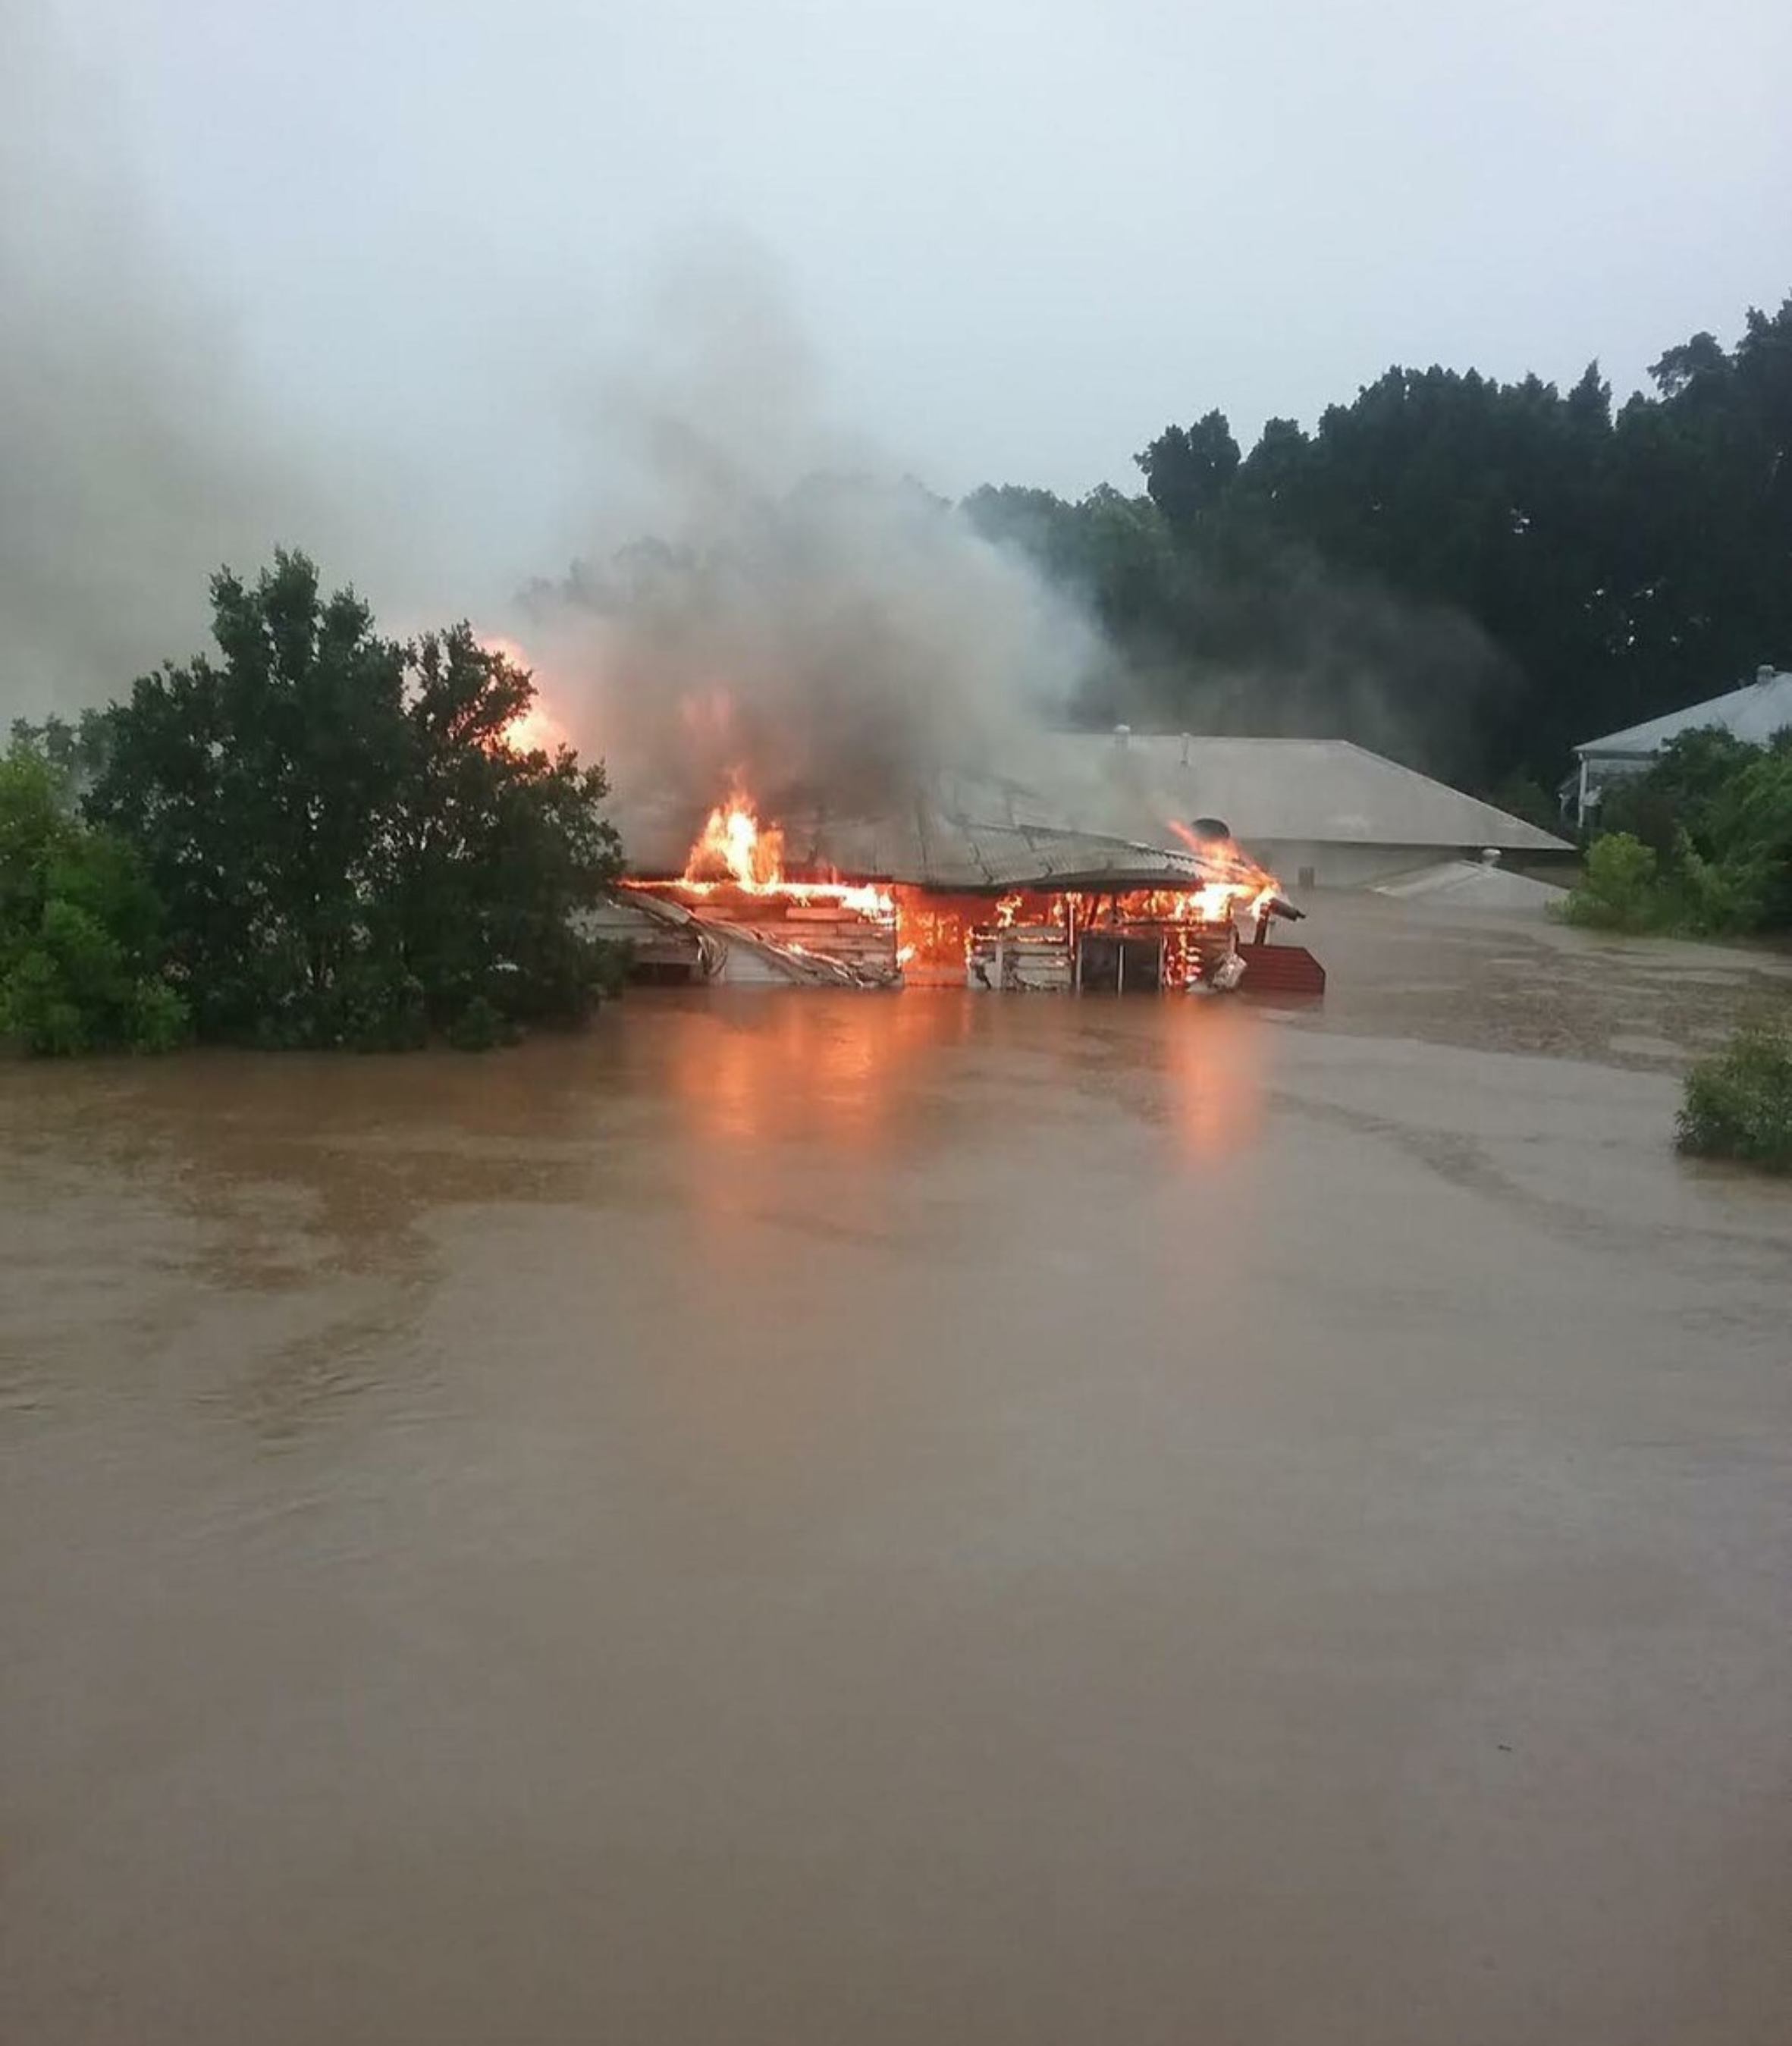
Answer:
(1619, 892)
(1739, 1101)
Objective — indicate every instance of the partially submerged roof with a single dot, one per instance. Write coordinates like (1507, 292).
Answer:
(1269, 791)
(1754, 713)
(1076, 807)
(1471, 884)
(929, 845)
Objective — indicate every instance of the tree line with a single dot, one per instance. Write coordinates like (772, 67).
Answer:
(321, 837)
(1469, 574)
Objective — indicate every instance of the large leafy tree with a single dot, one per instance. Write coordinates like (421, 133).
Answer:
(495, 850)
(348, 845)
(1187, 468)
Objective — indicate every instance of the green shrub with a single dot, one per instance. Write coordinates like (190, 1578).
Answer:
(80, 937)
(1716, 812)
(1711, 897)
(160, 1020)
(480, 1027)
(1619, 892)
(1739, 1101)
(376, 1006)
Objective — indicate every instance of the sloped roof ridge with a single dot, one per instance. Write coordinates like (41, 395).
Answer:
(1643, 736)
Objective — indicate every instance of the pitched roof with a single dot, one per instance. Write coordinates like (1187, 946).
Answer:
(1075, 807)
(1754, 713)
(1290, 791)
(927, 845)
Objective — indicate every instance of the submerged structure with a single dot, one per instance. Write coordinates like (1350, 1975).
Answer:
(936, 898)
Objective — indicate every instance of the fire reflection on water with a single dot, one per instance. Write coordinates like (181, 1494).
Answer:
(859, 1073)
(1213, 1078)
(771, 1066)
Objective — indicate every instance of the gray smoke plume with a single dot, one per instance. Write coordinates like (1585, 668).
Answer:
(135, 457)
(1312, 652)
(804, 618)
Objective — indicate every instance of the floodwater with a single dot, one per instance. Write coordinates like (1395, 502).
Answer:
(860, 1519)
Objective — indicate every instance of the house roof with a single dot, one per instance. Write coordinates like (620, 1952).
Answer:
(1269, 791)
(930, 847)
(1754, 713)
(1074, 807)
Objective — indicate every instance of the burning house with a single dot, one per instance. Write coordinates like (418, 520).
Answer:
(934, 897)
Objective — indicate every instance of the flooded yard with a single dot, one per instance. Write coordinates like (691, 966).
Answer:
(796, 1517)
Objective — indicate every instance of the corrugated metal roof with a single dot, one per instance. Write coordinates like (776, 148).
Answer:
(930, 847)
(1083, 806)
(1269, 791)
(1754, 713)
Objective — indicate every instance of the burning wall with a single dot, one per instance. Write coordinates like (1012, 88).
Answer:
(1172, 914)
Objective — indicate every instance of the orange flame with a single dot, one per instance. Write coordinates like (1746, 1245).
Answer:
(732, 847)
(737, 863)
(735, 850)
(534, 729)
(1238, 880)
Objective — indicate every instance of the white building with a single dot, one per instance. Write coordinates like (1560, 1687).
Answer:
(1754, 713)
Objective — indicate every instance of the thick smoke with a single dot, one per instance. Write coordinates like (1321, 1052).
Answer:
(135, 457)
(801, 617)
(758, 595)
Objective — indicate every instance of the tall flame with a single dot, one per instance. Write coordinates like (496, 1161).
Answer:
(734, 849)
(1238, 880)
(733, 846)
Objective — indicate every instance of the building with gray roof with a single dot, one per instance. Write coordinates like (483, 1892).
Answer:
(1065, 806)
(1753, 713)
(1320, 812)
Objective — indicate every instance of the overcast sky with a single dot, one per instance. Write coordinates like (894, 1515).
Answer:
(1018, 239)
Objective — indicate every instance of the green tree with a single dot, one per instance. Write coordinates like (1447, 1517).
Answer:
(350, 847)
(1188, 469)
(496, 852)
(1576, 571)
(1679, 793)
(1717, 813)
(1753, 831)
(80, 927)
(76, 751)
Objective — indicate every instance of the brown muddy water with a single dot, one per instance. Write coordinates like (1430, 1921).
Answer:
(805, 1518)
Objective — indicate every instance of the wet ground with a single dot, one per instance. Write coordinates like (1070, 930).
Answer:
(801, 1518)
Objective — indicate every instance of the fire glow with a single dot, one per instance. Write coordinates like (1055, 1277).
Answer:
(535, 728)
(735, 870)
(734, 850)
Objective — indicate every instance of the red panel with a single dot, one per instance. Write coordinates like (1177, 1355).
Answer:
(1287, 970)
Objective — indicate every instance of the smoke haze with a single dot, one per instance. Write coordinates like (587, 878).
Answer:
(804, 618)
(844, 631)
(804, 615)
(136, 455)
